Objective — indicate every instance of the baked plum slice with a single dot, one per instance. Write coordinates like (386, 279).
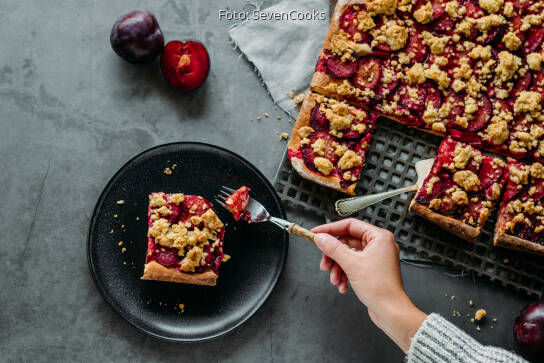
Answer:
(495, 34)
(338, 69)
(167, 256)
(438, 7)
(489, 173)
(318, 120)
(538, 83)
(438, 188)
(368, 73)
(468, 137)
(522, 84)
(444, 25)
(347, 24)
(454, 101)
(329, 151)
(432, 95)
(415, 49)
(412, 97)
(384, 89)
(524, 230)
(534, 40)
(483, 115)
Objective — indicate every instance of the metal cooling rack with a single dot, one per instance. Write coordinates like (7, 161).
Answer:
(389, 165)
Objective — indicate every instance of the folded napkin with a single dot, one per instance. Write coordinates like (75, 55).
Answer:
(284, 52)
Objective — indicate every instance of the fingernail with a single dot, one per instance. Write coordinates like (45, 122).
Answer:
(319, 240)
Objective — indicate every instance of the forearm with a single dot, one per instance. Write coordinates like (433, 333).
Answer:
(400, 319)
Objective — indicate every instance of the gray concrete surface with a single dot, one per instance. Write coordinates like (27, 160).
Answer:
(72, 112)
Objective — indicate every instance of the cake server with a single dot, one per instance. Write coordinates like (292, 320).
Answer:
(347, 206)
(258, 213)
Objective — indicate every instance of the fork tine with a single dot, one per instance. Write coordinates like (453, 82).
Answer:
(223, 195)
(229, 190)
(218, 201)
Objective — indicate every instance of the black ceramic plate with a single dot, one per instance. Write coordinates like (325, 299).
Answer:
(258, 250)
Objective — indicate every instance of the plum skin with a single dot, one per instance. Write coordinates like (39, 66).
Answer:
(529, 330)
(136, 37)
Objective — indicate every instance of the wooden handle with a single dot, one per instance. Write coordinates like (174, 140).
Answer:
(301, 232)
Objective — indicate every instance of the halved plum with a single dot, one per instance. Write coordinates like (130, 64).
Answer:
(416, 50)
(318, 120)
(489, 173)
(483, 115)
(338, 69)
(185, 65)
(522, 84)
(534, 40)
(368, 73)
(329, 151)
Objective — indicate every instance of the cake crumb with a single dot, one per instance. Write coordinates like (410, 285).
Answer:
(174, 166)
(111, 232)
(491, 326)
(480, 314)
(258, 118)
(471, 303)
(292, 94)
(446, 294)
(494, 320)
(168, 171)
(182, 307)
(472, 320)
(452, 297)
(299, 98)
(122, 226)
(121, 202)
(266, 114)
(120, 243)
(124, 249)
(278, 117)
(115, 216)
(506, 260)
(284, 136)
(137, 218)
(478, 328)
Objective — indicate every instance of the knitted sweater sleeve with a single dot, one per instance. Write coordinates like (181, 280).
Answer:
(438, 340)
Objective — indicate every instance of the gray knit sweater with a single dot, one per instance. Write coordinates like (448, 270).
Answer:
(438, 340)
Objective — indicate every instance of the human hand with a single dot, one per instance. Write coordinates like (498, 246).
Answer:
(368, 258)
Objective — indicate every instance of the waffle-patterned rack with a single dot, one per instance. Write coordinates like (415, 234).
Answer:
(389, 165)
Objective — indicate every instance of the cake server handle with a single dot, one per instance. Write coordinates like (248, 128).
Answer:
(347, 206)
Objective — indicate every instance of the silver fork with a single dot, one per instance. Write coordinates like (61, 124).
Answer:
(258, 213)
